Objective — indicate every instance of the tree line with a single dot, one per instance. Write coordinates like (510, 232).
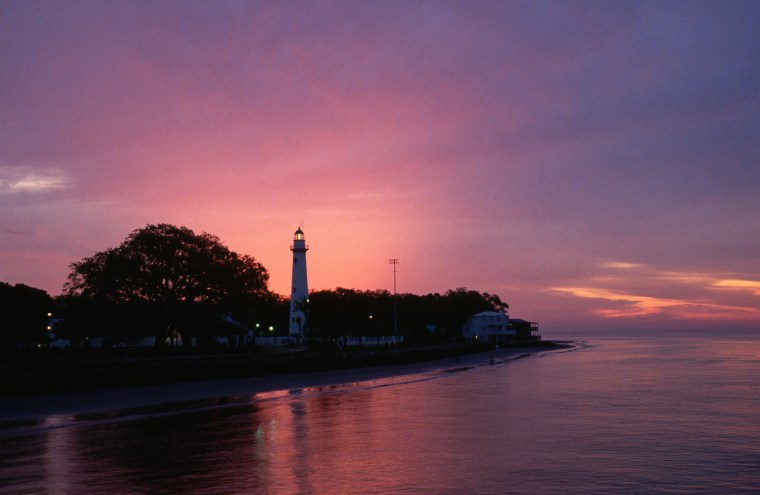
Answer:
(422, 319)
(170, 282)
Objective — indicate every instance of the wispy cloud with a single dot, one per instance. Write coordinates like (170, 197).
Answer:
(621, 265)
(639, 293)
(634, 305)
(753, 286)
(14, 232)
(27, 179)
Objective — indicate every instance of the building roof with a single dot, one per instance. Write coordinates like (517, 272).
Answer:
(488, 313)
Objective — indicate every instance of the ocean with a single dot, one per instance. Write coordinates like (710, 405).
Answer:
(643, 414)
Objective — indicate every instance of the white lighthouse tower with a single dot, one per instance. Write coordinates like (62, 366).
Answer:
(300, 291)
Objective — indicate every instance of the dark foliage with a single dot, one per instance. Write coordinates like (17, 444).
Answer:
(165, 280)
(428, 318)
(24, 312)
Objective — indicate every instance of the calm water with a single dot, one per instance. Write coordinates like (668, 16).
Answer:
(615, 415)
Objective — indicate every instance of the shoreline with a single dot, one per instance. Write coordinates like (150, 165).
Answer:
(50, 372)
(74, 403)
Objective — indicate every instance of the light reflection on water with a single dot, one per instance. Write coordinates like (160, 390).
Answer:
(617, 416)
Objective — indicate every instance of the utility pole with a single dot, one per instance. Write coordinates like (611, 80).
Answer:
(394, 262)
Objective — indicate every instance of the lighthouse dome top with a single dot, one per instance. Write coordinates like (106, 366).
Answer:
(299, 234)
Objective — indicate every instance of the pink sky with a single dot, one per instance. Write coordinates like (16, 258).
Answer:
(593, 163)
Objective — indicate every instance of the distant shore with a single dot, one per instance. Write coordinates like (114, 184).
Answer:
(312, 372)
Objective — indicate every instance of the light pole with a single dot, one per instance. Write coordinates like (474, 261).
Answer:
(394, 262)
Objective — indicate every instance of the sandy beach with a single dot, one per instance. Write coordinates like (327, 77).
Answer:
(77, 403)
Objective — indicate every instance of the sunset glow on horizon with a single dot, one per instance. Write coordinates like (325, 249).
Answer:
(594, 164)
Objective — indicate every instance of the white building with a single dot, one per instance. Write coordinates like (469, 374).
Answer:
(488, 326)
(300, 290)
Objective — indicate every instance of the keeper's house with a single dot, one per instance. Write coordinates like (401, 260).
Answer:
(489, 326)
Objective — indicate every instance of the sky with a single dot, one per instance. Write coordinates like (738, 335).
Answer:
(595, 164)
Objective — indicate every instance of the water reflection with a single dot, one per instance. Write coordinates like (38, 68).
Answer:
(623, 416)
(296, 444)
(57, 459)
(173, 453)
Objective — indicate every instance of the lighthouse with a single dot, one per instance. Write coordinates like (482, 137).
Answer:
(300, 290)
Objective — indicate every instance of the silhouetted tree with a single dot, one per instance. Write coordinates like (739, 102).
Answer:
(24, 314)
(166, 279)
